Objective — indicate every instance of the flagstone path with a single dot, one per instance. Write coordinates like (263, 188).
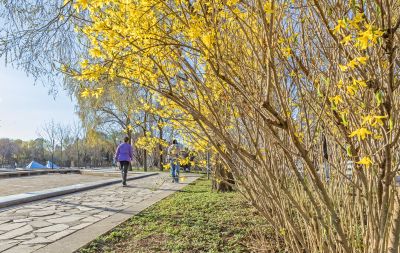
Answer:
(47, 225)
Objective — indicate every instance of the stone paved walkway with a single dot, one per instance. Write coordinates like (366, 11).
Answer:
(30, 227)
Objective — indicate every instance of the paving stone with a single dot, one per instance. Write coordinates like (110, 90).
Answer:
(24, 211)
(15, 217)
(23, 220)
(91, 219)
(60, 235)
(41, 213)
(16, 232)
(24, 248)
(4, 218)
(43, 234)
(55, 216)
(4, 221)
(77, 211)
(36, 206)
(60, 214)
(39, 224)
(66, 219)
(103, 214)
(53, 228)
(11, 226)
(6, 245)
(26, 237)
(80, 226)
(37, 240)
(84, 208)
(49, 208)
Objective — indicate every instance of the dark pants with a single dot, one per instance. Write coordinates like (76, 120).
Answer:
(124, 165)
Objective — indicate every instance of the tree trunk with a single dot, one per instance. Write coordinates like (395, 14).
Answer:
(161, 160)
(61, 155)
(145, 160)
(223, 180)
(145, 151)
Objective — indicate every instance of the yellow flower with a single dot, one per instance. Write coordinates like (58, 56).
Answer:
(100, 90)
(342, 67)
(340, 84)
(379, 120)
(362, 42)
(85, 93)
(95, 52)
(366, 161)
(360, 83)
(352, 64)
(378, 33)
(367, 119)
(287, 52)
(362, 59)
(268, 8)
(82, 3)
(361, 133)
(336, 99)
(351, 90)
(359, 17)
(300, 136)
(346, 40)
(341, 24)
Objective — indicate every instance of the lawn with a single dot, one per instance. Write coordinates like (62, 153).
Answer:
(192, 220)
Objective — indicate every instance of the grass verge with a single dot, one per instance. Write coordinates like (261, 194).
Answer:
(192, 220)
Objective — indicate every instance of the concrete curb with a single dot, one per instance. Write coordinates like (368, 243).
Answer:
(18, 199)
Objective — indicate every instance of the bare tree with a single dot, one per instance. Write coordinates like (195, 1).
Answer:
(63, 133)
(49, 133)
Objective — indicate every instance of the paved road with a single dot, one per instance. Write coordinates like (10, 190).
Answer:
(30, 227)
(16, 185)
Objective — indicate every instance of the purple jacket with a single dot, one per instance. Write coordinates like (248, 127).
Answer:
(124, 152)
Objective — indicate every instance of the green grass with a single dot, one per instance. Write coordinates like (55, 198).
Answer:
(192, 220)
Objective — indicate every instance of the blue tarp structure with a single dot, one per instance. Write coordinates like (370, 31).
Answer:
(48, 165)
(35, 165)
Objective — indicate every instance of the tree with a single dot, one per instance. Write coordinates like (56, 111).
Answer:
(77, 135)
(62, 136)
(296, 70)
(260, 82)
(49, 134)
(8, 151)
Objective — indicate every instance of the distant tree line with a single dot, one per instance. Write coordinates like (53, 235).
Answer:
(78, 146)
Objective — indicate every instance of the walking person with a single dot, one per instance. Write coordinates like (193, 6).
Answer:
(173, 157)
(123, 155)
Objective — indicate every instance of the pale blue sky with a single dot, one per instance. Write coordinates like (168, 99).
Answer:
(24, 107)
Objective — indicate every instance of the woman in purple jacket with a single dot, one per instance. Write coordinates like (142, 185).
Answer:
(123, 155)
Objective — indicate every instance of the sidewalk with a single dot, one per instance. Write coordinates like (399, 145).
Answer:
(65, 224)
